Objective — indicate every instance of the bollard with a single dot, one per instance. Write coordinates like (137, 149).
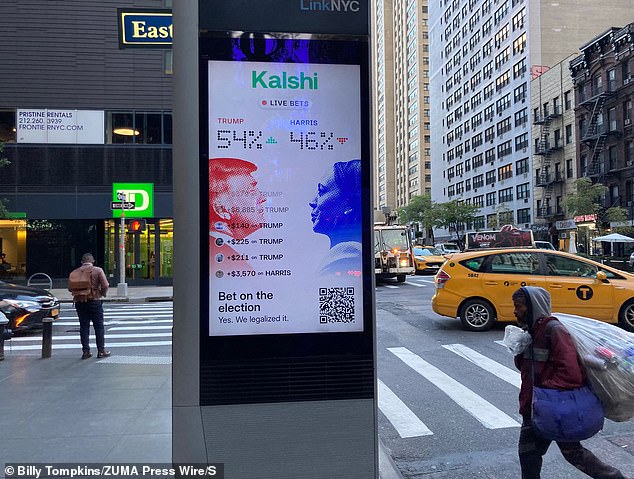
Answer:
(47, 337)
(2, 325)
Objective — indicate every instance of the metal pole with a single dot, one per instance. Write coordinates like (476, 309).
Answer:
(122, 287)
(47, 338)
(3, 323)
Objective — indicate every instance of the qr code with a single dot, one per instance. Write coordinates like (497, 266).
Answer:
(336, 305)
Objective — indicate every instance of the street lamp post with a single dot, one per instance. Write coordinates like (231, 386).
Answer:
(122, 287)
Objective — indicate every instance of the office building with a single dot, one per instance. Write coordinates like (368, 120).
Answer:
(80, 113)
(483, 56)
(402, 102)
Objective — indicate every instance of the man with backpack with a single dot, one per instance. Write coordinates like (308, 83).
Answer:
(88, 284)
(550, 362)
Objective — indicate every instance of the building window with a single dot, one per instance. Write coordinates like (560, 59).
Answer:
(524, 215)
(505, 149)
(567, 100)
(478, 181)
(521, 166)
(138, 127)
(523, 191)
(7, 126)
(505, 172)
(490, 177)
(521, 142)
(505, 195)
(519, 44)
(490, 199)
(521, 117)
(568, 134)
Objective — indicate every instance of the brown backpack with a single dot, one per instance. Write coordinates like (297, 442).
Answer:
(80, 284)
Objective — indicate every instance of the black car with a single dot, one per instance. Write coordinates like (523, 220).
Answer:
(26, 307)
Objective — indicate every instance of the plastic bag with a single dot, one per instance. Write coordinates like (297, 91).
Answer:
(516, 339)
(607, 355)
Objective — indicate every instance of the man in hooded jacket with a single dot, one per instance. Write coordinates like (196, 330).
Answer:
(556, 366)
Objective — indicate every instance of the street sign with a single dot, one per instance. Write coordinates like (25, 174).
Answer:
(122, 205)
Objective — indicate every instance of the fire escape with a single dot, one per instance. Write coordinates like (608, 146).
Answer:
(595, 136)
(545, 178)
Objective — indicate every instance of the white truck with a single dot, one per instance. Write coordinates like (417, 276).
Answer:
(393, 252)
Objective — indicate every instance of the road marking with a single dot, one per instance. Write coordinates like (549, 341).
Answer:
(483, 411)
(109, 345)
(110, 323)
(390, 286)
(506, 374)
(74, 338)
(126, 315)
(417, 285)
(402, 418)
(135, 328)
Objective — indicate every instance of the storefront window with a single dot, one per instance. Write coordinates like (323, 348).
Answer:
(7, 126)
(13, 250)
(145, 251)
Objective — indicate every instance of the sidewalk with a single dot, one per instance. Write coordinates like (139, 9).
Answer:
(111, 410)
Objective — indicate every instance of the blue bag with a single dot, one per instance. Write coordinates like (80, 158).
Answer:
(566, 415)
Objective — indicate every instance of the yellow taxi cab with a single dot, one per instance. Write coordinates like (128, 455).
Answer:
(476, 286)
(427, 259)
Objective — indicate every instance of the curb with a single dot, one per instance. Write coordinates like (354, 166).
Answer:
(387, 467)
(126, 299)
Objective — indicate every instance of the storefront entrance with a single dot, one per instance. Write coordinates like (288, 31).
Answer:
(148, 253)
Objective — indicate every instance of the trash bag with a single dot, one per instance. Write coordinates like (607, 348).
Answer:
(516, 339)
(607, 355)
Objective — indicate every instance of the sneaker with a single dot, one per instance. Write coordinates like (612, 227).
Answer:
(103, 354)
(86, 355)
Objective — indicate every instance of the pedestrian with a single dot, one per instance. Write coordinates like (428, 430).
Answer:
(556, 366)
(89, 307)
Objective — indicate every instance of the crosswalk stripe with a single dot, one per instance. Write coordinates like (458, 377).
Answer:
(57, 338)
(110, 323)
(135, 328)
(109, 345)
(414, 284)
(390, 286)
(483, 411)
(402, 418)
(504, 373)
(127, 315)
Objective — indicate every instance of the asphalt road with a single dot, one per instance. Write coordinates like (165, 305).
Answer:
(448, 397)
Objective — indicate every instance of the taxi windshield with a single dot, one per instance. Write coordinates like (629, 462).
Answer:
(426, 251)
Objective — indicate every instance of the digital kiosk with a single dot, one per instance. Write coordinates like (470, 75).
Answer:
(273, 356)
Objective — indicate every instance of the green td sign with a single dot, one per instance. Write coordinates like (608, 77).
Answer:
(141, 194)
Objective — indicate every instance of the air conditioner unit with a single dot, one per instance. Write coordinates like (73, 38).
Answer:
(626, 81)
(525, 200)
(627, 121)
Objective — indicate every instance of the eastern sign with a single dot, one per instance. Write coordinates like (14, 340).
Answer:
(285, 235)
(60, 126)
(139, 195)
(145, 28)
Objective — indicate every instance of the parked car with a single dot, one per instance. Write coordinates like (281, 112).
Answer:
(447, 248)
(631, 261)
(26, 307)
(427, 259)
(544, 245)
(477, 286)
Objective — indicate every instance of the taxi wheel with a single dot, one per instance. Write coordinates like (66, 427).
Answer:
(626, 316)
(477, 315)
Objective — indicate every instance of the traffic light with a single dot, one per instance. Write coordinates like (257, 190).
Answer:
(136, 226)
